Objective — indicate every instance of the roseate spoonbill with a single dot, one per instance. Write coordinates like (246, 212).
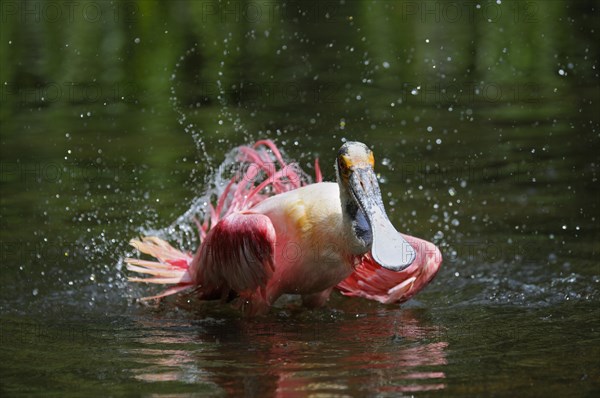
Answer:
(283, 235)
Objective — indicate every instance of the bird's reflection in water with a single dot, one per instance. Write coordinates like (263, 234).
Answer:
(331, 352)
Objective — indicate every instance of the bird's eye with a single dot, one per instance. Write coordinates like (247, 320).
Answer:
(344, 164)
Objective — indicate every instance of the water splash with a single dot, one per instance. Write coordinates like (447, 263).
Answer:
(188, 127)
(224, 112)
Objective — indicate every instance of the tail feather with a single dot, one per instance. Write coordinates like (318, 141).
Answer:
(318, 174)
(160, 271)
(161, 250)
(148, 264)
(172, 267)
(158, 281)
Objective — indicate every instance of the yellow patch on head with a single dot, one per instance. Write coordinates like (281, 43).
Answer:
(371, 159)
(357, 160)
(352, 156)
(346, 161)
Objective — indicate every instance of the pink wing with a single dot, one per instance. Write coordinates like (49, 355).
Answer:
(371, 281)
(244, 236)
(237, 254)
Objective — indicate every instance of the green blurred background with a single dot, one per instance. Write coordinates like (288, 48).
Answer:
(115, 117)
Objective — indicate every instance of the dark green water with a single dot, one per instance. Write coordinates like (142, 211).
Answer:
(485, 126)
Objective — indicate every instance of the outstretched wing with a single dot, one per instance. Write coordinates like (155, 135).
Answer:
(370, 280)
(238, 253)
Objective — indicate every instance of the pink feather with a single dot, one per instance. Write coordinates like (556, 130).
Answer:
(236, 247)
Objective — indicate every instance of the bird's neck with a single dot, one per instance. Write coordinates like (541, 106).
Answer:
(357, 231)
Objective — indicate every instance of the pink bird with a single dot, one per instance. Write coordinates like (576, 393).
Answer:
(282, 235)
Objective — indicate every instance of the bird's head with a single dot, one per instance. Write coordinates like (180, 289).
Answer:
(362, 204)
